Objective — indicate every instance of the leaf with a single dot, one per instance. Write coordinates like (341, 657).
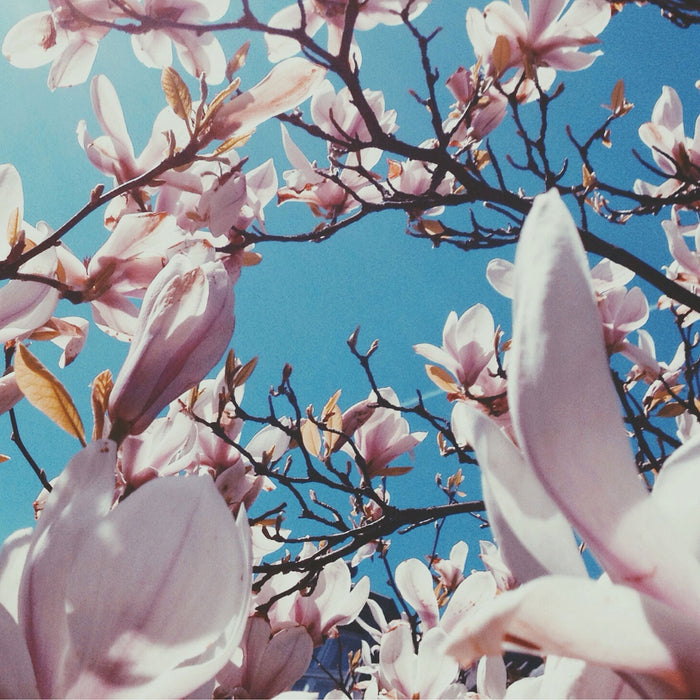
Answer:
(176, 92)
(219, 100)
(442, 378)
(311, 438)
(237, 61)
(394, 471)
(332, 418)
(617, 97)
(242, 374)
(500, 55)
(46, 393)
(99, 398)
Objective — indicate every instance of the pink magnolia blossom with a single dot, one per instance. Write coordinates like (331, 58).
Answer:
(381, 438)
(338, 116)
(286, 86)
(65, 38)
(184, 325)
(472, 119)
(199, 52)
(332, 602)
(266, 663)
(403, 673)
(10, 393)
(332, 14)
(468, 345)
(102, 610)
(24, 306)
(675, 153)
(69, 333)
(414, 177)
(644, 621)
(451, 570)
(317, 187)
(541, 41)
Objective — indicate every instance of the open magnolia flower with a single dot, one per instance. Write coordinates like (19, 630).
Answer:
(145, 599)
(637, 633)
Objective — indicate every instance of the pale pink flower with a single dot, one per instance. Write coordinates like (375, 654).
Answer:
(622, 311)
(286, 86)
(332, 602)
(414, 177)
(165, 448)
(69, 333)
(451, 570)
(383, 437)
(471, 119)
(332, 14)
(24, 306)
(317, 188)
(199, 52)
(266, 663)
(685, 268)
(184, 325)
(337, 115)
(66, 39)
(113, 153)
(102, 608)
(468, 345)
(644, 622)
(402, 673)
(675, 153)
(541, 41)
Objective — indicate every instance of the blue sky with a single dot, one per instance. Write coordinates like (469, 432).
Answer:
(302, 302)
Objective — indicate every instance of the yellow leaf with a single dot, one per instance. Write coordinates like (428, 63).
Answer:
(237, 61)
(99, 398)
(4, 458)
(394, 471)
(219, 100)
(671, 410)
(13, 227)
(442, 378)
(311, 438)
(176, 93)
(46, 393)
(250, 258)
(332, 417)
(242, 374)
(500, 55)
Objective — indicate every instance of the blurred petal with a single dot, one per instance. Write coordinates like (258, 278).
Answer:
(16, 672)
(140, 624)
(593, 621)
(532, 534)
(567, 419)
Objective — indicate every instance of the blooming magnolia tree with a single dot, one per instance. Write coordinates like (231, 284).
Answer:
(164, 562)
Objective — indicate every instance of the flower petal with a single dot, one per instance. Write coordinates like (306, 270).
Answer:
(567, 419)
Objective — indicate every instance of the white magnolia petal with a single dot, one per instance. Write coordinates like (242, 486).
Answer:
(16, 673)
(416, 585)
(679, 477)
(532, 534)
(589, 620)
(81, 498)
(164, 612)
(567, 419)
(12, 557)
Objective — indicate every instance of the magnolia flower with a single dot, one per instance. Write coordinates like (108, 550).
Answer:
(472, 118)
(382, 437)
(286, 86)
(332, 14)
(103, 611)
(317, 188)
(645, 621)
(199, 52)
(265, 664)
(541, 41)
(184, 326)
(467, 345)
(24, 306)
(675, 153)
(332, 601)
(338, 116)
(62, 36)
